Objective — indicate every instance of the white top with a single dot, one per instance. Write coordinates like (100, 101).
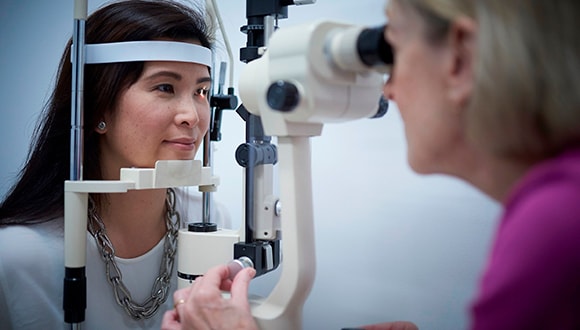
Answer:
(32, 274)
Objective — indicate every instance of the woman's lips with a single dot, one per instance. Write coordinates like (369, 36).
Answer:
(185, 144)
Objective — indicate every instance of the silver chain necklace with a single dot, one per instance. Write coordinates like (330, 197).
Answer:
(160, 289)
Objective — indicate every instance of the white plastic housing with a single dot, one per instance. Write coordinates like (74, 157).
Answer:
(303, 55)
(197, 252)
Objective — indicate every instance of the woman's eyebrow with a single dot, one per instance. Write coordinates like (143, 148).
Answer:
(204, 79)
(175, 75)
(169, 74)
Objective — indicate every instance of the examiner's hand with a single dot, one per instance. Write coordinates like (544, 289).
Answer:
(202, 305)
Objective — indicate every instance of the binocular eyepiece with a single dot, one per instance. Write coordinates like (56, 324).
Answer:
(360, 49)
(372, 47)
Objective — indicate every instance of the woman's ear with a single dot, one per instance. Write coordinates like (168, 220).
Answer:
(102, 125)
(462, 43)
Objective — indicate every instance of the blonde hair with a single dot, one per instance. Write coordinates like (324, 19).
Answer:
(526, 100)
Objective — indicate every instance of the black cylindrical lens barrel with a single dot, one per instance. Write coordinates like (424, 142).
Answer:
(373, 49)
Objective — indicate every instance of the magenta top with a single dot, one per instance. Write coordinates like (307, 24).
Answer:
(532, 276)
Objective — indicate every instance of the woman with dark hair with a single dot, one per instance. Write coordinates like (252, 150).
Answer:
(135, 113)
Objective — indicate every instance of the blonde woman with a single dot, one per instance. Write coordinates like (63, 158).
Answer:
(488, 92)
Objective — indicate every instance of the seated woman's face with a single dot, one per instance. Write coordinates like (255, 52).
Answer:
(164, 115)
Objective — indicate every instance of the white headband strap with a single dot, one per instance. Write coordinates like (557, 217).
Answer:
(132, 51)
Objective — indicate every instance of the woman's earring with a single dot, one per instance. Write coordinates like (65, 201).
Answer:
(102, 125)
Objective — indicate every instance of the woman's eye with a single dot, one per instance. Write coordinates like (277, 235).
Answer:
(165, 88)
(203, 92)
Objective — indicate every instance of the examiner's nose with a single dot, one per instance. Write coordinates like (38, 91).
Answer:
(388, 89)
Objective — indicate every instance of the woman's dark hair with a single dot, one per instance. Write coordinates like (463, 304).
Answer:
(38, 195)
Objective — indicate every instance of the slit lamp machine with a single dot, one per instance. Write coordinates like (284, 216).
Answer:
(295, 80)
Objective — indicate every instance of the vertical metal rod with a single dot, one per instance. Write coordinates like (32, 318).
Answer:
(250, 183)
(270, 24)
(207, 152)
(75, 326)
(207, 161)
(77, 109)
(74, 287)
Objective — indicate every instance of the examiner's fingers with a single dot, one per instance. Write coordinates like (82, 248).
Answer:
(170, 321)
(215, 276)
(239, 289)
(180, 296)
(210, 284)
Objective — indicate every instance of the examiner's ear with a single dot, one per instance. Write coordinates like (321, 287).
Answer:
(462, 43)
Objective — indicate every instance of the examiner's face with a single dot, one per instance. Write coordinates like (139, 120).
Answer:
(164, 115)
(418, 86)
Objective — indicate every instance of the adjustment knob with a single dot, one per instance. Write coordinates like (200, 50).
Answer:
(202, 227)
(283, 96)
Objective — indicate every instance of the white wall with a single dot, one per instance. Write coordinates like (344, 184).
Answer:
(390, 244)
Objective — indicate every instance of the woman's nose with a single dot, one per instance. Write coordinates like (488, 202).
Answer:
(187, 113)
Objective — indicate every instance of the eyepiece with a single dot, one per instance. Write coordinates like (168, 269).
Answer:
(372, 48)
(358, 49)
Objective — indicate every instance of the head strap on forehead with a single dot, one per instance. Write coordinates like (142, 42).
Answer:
(133, 51)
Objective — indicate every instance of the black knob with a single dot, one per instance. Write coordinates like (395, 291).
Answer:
(283, 96)
(202, 227)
